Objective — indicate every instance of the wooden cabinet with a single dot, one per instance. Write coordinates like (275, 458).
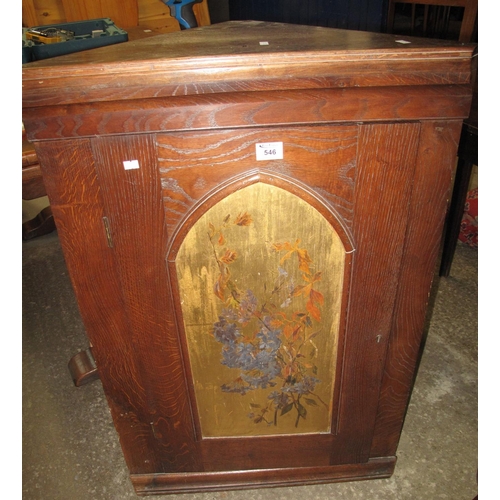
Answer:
(251, 216)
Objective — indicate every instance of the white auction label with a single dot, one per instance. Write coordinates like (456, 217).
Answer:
(269, 151)
(131, 164)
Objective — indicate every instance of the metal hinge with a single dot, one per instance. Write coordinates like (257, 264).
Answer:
(108, 232)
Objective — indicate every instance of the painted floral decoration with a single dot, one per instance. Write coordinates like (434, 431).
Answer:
(269, 339)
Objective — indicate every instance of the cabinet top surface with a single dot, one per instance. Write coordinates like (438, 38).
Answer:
(237, 39)
(241, 51)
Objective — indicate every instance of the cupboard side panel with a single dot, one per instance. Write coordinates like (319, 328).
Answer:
(386, 160)
(133, 204)
(433, 180)
(71, 183)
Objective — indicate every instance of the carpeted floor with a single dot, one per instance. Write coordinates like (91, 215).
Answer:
(71, 449)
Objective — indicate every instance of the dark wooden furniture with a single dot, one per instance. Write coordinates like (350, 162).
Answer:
(331, 152)
(32, 188)
(468, 21)
(346, 14)
(467, 158)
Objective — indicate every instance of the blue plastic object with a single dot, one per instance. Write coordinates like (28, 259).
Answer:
(182, 10)
(87, 35)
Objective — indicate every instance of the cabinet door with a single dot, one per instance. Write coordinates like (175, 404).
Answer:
(256, 295)
(284, 274)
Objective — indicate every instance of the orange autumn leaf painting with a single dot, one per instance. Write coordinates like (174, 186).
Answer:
(243, 219)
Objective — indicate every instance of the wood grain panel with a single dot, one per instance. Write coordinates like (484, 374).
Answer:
(133, 205)
(194, 164)
(250, 109)
(29, 13)
(152, 12)
(42, 12)
(385, 169)
(202, 13)
(123, 13)
(433, 180)
(185, 80)
(228, 454)
(67, 166)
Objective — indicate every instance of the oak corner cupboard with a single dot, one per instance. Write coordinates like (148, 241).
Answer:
(250, 214)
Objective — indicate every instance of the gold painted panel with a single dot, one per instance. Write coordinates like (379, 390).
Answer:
(260, 279)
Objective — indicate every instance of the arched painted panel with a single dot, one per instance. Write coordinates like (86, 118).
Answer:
(260, 279)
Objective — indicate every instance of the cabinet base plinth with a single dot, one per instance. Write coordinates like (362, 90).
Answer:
(192, 482)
